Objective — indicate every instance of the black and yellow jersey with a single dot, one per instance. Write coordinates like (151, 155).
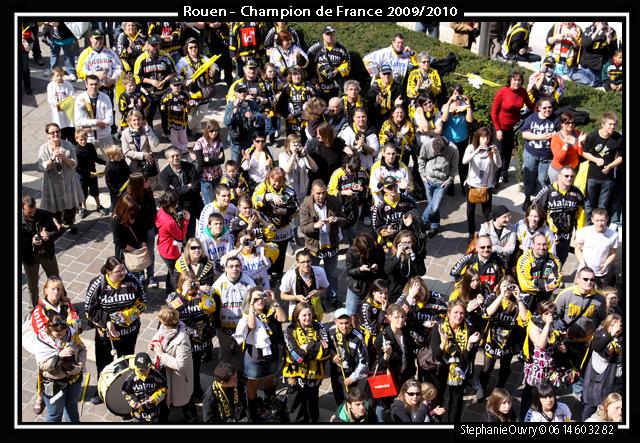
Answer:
(247, 39)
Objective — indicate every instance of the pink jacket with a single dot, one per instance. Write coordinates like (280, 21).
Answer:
(168, 231)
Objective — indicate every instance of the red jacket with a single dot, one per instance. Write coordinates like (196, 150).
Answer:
(505, 111)
(168, 231)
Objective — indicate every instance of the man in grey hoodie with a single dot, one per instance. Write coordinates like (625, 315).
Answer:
(438, 165)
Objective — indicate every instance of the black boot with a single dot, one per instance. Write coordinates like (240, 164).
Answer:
(252, 411)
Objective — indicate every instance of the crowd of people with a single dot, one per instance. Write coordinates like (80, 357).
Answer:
(357, 163)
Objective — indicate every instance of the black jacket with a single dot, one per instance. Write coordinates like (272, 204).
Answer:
(87, 159)
(28, 228)
(359, 281)
(399, 272)
(115, 175)
(395, 362)
(399, 413)
(327, 159)
(124, 236)
(189, 195)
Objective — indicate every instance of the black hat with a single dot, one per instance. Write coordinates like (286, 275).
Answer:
(154, 40)
(329, 29)
(386, 67)
(251, 62)
(389, 181)
(241, 86)
(175, 81)
(97, 33)
(142, 360)
(499, 211)
(549, 60)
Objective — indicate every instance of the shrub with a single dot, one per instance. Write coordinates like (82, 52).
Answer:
(360, 38)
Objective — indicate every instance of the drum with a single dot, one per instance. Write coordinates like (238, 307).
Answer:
(110, 384)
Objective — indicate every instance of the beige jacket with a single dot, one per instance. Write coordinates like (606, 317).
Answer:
(178, 362)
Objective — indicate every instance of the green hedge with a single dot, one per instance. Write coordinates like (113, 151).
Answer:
(362, 38)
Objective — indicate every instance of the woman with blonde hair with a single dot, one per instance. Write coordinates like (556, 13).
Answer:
(609, 411)
(604, 372)
(173, 356)
(194, 259)
(408, 406)
(260, 332)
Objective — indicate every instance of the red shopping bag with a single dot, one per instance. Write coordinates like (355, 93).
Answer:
(382, 385)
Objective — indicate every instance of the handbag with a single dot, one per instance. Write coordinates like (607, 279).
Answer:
(478, 195)
(426, 360)
(382, 385)
(138, 259)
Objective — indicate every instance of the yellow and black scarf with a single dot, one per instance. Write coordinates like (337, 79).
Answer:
(224, 406)
(311, 369)
(385, 105)
(455, 347)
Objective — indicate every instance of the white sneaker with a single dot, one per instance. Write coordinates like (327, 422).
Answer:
(366, 221)
(73, 77)
(47, 73)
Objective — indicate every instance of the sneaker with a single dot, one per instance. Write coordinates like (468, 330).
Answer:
(38, 406)
(47, 73)
(366, 221)
(335, 302)
(103, 210)
(96, 400)
(153, 283)
(83, 212)
(73, 77)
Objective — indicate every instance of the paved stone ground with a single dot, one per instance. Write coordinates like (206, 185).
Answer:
(80, 257)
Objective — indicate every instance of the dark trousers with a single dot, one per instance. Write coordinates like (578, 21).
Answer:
(487, 369)
(463, 170)
(67, 217)
(50, 267)
(170, 270)
(302, 403)
(471, 212)
(154, 104)
(25, 72)
(525, 400)
(562, 249)
(278, 265)
(125, 345)
(68, 134)
(337, 384)
(505, 146)
(452, 402)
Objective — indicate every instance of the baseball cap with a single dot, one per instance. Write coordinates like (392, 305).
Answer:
(549, 61)
(142, 360)
(251, 62)
(342, 312)
(329, 29)
(175, 81)
(97, 33)
(389, 181)
(242, 86)
(386, 67)
(154, 40)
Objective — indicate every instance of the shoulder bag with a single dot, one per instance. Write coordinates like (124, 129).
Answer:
(478, 195)
(138, 259)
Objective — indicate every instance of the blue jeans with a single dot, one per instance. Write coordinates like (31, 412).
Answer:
(599, 196)
(271, 125)
(353, 303)
(330, 266)
(236, 154)
(431, 29)
(66, 405)
(435, 194)
(583, 76)
(69, 57)
(206, 188)
(534, 170)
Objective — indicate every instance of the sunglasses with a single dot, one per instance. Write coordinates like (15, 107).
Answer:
(484, 247)
(569, 176)
(413, 394)
(53, 132)
(259, 141)
(195, 248)
(588, 279)
(385, 73)
(569, 123)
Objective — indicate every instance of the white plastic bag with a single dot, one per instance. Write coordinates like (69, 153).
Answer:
(78, 28)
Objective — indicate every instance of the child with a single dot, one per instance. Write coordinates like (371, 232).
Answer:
(177, 104)
(612, 73)
(145, 390)
(86, 170)
(234, 180)
(57, 90)
(429, 394)
(132, 98)
(116, 173)
(209, 155)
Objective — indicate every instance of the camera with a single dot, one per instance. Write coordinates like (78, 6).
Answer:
(248, 242)
(37, 237)
(458, 97)
(511, 287)
(194, 285)
(179, 216)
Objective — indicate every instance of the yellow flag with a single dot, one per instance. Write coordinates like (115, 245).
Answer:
(202, 69)
(119, 89)
(67, 106)
(486, 82)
